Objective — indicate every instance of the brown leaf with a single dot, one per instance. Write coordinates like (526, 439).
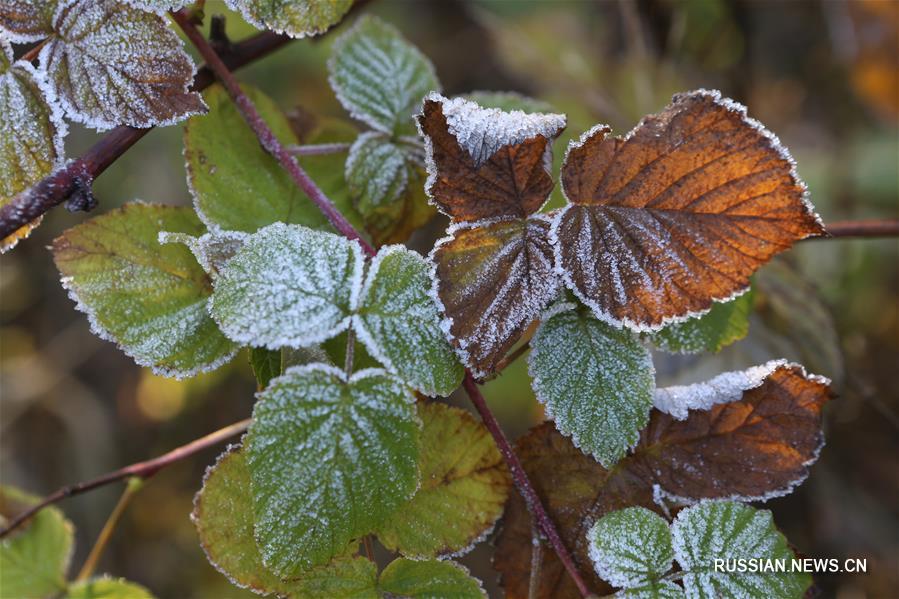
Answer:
(492, 282)
(489, 171)
(678, 213)
(26, 20)
(754, 448)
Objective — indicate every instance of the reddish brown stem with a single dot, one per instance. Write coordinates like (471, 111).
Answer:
(76, 177)
(271, 144)
(264, 133)
(862, 228)
(141, 470)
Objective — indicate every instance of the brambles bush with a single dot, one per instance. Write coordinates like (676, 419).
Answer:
(352, 339)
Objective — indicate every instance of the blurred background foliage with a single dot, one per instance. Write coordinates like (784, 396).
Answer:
(824, 75)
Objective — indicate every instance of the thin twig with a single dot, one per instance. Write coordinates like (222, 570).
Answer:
(350, 352)
(76, 177)
(536, 562)
(862, 228)
(264, 133)
(508, 360)
(33, 52)
(90, 564)
(140, 469)
(271, 144)
(369, 550)
(317, 149)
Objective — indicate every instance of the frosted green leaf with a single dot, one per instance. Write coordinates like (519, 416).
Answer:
(663, 589)
(235, 183)
(296, 18)
(24, 21)
(288, 286)
(266, 364)
(31, 134)
(725, 323)
(464, 487)
(34, 558)
(343, 578)
(432, 579)
(376, 172)
(149, 298)
(223, 516)
(330, 459)
(509, 101)
(399, 324)
(596, 381)
(107, 588)
(113, 64)
(719, 530)
(212, 250)
(160, 7)
(379, 77)
(630, 547)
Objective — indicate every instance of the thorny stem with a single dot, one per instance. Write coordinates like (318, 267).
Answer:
(316, 149)
(142, 470)
(90, 564)
(274, 147)
(264, 133)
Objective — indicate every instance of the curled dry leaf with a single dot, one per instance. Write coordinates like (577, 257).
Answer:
(489, 171)
(757, 447)
(677, 214)
(112, 64)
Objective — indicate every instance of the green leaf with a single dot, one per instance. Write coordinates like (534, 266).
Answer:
(112, 64)
(432, 579)
(330, 459)
(288, 286)
(376, 172)
(296, 18)
(631, 547)
(34, 558)
(379, 77)
(663, 589)
(266, 364)
(509, 101)
(399, 324)
(595, 380)
(31, 134)
(212, 250)
(719, 530)
(223, 516)
(149, 298)
(464, 486)
(107, 588)
(725, 323)
(343, 578)
(235, 183)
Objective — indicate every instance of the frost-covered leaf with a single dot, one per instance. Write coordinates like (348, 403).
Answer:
(376, 172)
(33, 559)
(431, 579)
(596, 381)
(149, 298)
(266, 364)
(113, 64)
(343, 578)
(223, 516)
(492, 280)
(725, 323)
(678, 213)
(631, 547)
(212, 250)
(235, 183)
(663, 589)
(750, 445)
(484, 163)
(329, 460)
(31, 134)
(158, 6)
(726, 530)
(399, 323)
(464, 485)
(26, 20)
(296, 18)
(508, 101)
(105, 587)
(288, 286)
(379, 77)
